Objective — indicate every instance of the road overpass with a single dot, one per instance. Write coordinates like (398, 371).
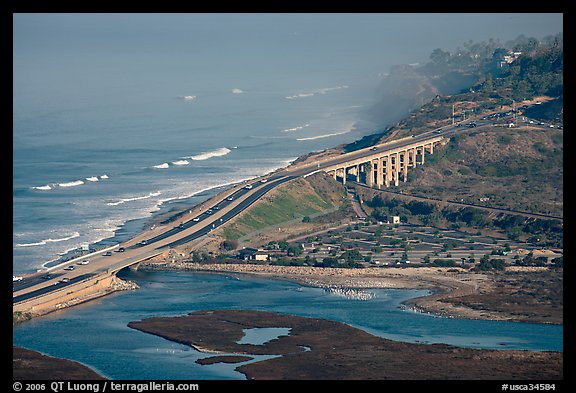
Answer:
(385, 164)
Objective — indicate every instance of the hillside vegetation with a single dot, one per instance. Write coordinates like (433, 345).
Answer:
(519, 169)
(296, 201)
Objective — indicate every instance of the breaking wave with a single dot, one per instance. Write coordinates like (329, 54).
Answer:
(49, 240)
(161, 166)
(181, 162)
(237, 91)
(44, 188)
(51, 186)
(71, 183)
(206, 155)
(323, 136)
(124, 200)
(298, 128)
(314, 92)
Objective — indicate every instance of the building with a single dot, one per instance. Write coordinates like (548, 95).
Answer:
(252, 254)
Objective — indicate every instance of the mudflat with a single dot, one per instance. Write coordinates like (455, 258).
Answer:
(319, 349)
(31, 365)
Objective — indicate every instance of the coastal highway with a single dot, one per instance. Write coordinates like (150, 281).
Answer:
(196, 223)
(149, 243)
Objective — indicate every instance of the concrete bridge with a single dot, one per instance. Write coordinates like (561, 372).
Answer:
(385, 166)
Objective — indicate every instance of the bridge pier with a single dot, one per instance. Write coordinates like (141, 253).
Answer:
(385, 167)
(134, 267)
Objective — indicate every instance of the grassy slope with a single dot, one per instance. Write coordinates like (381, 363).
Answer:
(294, 200)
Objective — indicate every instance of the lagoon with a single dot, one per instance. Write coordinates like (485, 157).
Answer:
(96, 334)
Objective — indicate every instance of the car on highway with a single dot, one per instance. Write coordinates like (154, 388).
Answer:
(144, 242)
(196, 219)
(263, 180)
(16, 278)
(230, 198)
(209, 212)
(65, 280)
(248, 187)
(107, 254)
(121, 249)
(47, 276)
(71, 267)
(84, 262)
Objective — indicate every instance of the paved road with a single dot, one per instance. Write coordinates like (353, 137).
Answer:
(228, 205)
(162, 239)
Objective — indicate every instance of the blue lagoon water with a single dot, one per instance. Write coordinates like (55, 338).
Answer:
(97, 335)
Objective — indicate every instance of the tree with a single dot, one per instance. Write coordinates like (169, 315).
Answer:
(440, 57)
(294, 250)
(229, 245)
(351, 255)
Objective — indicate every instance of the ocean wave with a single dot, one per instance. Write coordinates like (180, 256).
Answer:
(43, 188)
(124, 200)
(327, 89)
(49, 240)
(237, 91)
(71, 183)
(206, 155)
(298, 128)
(181, 162)
(75, 183)
(318, 91)
(299, 95)
(324, 136)
(188, 98)
(161, 166)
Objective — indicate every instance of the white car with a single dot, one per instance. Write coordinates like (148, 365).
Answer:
(84, 262)
(16, 278)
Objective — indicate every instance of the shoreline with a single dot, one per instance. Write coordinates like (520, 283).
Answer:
(442, 284)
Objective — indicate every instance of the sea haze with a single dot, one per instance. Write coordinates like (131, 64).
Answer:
(115, 115)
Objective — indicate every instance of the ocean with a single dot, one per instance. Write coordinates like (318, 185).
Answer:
(99, 142)
(118, 116)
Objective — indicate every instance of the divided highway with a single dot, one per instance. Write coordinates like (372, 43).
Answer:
(138, 249)
(157, 240)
